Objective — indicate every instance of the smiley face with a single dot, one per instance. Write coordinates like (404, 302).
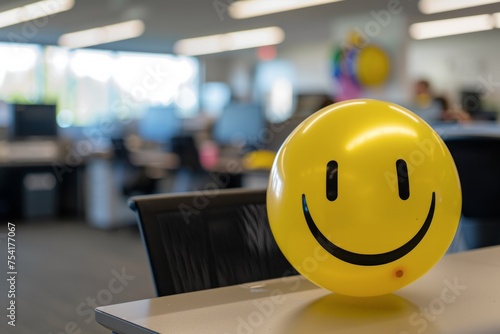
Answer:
(363, 198)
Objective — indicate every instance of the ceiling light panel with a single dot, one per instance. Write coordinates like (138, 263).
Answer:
(252, 8)
(456, 26)
(437, 6)
(34, 11)
(230, 41)
(103, 35)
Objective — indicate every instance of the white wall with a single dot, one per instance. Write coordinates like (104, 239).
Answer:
(237, 72)
(312, 66)
(469, 61)
(313, 61)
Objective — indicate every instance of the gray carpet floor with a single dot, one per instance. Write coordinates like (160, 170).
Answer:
(65, 269)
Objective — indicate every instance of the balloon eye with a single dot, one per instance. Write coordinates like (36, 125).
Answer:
(332, 171)
(403, 180)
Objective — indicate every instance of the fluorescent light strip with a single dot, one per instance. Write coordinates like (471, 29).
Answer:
(252, 8)
(456, 26)
(438, 6)
(103, 35)
(34, 11)
(496, 18)
(231, 41)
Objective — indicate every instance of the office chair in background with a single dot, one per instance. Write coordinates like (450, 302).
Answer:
(478, 163)
(190, 174)
(134, 180)
(210, 239)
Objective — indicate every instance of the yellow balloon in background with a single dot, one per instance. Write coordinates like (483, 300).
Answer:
(372, 66)
(363, 198)
(259, 159)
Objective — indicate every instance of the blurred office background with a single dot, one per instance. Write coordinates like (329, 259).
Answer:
(86, 123)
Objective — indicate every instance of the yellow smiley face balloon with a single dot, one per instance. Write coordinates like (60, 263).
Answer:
(363, 198)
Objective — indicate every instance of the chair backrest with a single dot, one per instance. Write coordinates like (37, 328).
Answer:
(208, 239)
(478, 163)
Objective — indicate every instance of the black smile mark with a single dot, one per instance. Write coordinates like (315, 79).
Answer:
(368, 259)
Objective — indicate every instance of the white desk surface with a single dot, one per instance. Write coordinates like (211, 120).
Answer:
(476, 129)
(460, 295)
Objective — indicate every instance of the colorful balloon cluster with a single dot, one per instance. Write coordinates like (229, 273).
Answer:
(358, 65)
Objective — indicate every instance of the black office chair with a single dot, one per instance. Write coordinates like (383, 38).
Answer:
(478, 163)
(135, 179)
(204, 240)
(191, 175)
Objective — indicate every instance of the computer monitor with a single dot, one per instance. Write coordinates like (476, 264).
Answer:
(240, 123)
(471, 101)
(159, 124)
(33, 120)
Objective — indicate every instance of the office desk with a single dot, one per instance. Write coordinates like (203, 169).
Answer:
(461, 294)
(472, 129)
(38, 181)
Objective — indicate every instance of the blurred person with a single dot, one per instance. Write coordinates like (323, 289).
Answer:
(422, 94)
(435, 108)
(452, 112)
